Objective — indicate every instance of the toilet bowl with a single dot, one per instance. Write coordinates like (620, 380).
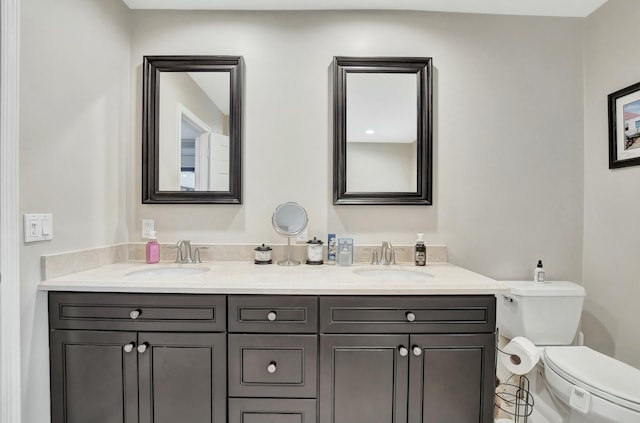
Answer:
(579, 385)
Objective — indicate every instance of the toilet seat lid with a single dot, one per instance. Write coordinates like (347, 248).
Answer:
(599, 374)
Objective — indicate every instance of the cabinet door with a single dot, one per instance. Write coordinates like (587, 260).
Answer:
(94, 377)
(183, 377)
(452, 378)
(363, 378)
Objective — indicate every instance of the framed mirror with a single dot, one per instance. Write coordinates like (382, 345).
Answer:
(382, 117)
(192, 129)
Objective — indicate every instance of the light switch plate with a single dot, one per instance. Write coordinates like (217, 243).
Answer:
(38, 227)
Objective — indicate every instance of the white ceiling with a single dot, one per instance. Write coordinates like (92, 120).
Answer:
(576, 8)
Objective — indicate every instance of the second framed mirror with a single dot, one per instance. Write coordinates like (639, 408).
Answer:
(382, 116)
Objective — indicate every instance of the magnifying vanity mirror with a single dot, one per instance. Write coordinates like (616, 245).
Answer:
(192, 129)
(382, 115)
(289, 219)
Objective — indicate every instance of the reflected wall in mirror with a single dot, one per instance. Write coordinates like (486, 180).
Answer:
(382, 130)
(192, 134)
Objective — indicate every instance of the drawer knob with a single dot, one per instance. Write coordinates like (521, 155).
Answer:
(128, 348)
(271, 368)
(403, 351)
(134, 314)
(142, 348)
(411, 317)
(417, 351)
(272, 316)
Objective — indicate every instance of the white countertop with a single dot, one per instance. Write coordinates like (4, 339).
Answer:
(228, 277)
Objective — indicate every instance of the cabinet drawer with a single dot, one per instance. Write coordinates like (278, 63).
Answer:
(272, 365)
(246, 410)
(428, 314)
(150, 312)
(284, 314)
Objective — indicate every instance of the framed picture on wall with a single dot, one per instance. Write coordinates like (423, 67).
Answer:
(624, 127)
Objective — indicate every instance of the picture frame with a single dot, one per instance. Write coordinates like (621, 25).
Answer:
(624, 127)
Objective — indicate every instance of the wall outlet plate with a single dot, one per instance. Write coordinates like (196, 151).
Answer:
(148, 226)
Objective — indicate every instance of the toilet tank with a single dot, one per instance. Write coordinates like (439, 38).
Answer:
(546, 314)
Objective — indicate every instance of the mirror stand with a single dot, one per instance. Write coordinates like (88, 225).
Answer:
(288, 261)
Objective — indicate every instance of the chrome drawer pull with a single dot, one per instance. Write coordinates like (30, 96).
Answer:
(129, 347)
(417, 351)
(271, 368)
(142, 348)
(403, 351)
(410, 316)
(134, 314)
(272, 316)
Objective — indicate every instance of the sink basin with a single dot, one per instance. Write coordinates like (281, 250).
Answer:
(393, 273)
(159, 272)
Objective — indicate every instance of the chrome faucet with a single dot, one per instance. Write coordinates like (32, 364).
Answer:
(184, 251)
(387, 254)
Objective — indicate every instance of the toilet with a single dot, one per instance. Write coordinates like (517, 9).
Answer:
(571, 384)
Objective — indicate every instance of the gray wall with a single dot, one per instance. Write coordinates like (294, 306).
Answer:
(508, 131)
(611, 197)
(74, 120)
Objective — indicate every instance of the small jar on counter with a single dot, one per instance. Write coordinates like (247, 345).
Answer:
(315, 252)
(262, 254)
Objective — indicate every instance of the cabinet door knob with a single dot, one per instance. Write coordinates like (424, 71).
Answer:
(417, 351)
(271, 368)
(410, 316)
(129, 347)
(134, 314)
(272, 316)
(403, 351)
(142, 348)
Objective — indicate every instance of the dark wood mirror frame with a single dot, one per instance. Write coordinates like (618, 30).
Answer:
(422, 67)
(152, 66)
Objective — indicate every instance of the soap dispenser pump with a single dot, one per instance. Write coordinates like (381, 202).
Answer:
(421, 251)
(538, 273)
(153, 249)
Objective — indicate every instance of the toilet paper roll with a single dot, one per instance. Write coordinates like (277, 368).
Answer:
(520, 355)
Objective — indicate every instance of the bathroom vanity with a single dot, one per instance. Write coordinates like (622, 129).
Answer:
(198, 349)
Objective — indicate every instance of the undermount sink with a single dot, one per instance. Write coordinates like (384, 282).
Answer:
(393, 273)
(159, 272)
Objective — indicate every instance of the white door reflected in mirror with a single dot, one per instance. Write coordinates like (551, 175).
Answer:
(194, 131)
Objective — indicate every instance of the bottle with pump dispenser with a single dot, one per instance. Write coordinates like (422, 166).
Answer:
(538, 273)
(420, 251)
(153, 249)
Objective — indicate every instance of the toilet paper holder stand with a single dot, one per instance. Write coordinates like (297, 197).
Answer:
(514, 397)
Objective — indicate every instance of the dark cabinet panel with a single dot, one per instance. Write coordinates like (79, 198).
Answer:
(274, 314)
(94, 378)
(137, 312)
(432, 314)
(452, 378)
(182, 377)
(272, 410)
(363, 378)
(273, 365)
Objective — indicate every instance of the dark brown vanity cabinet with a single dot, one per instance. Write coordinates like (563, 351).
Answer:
(407, 359)
(165, 358)
(147, 358)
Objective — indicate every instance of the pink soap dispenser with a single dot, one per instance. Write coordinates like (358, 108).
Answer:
(153, 249)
